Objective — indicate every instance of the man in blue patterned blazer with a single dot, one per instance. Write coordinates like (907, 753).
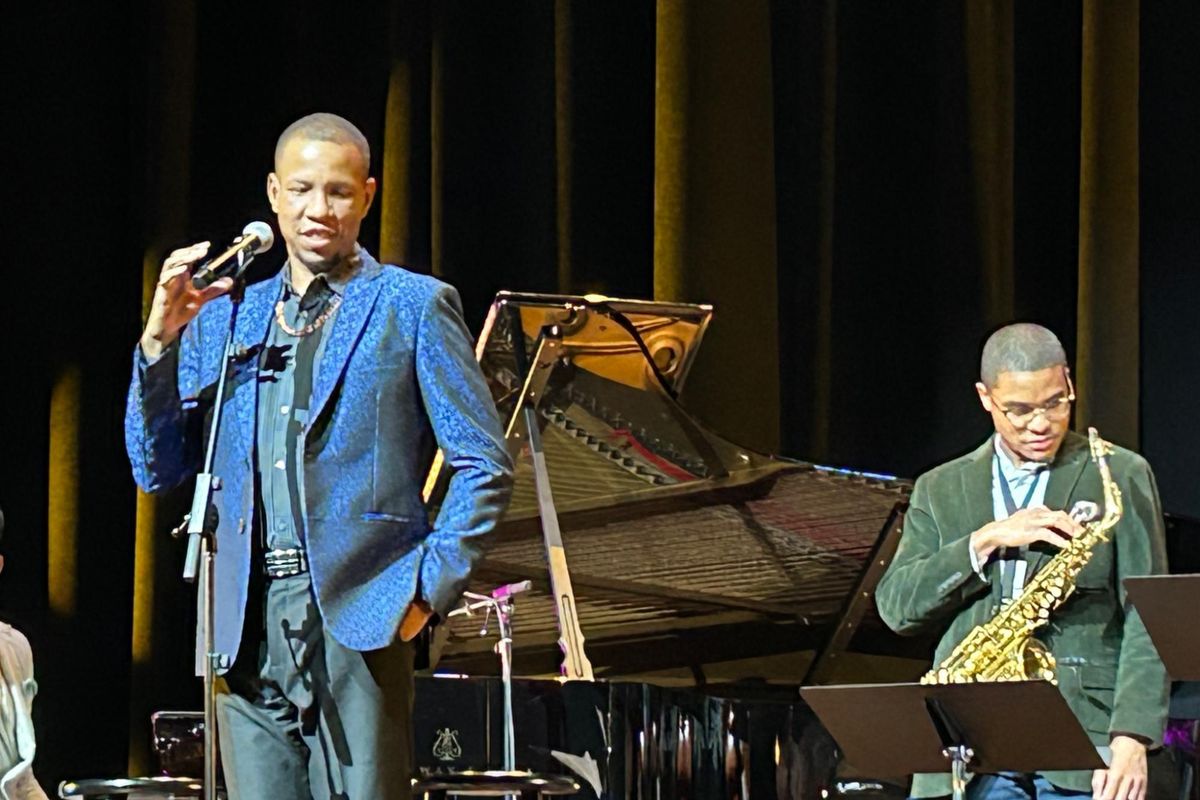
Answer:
(349, 375)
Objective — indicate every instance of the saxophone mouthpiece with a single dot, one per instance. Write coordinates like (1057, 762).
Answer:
(1084, 511)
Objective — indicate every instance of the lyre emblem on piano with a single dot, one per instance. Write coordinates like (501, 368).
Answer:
(446, 747)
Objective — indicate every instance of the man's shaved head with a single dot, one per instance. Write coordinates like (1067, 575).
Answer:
(1022, 347)
(323, 127)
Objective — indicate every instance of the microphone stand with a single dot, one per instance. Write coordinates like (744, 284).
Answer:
(201, 528)
(503, 606)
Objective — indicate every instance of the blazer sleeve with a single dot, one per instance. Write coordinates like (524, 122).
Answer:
(1141, 697)
(163, 414)
(931, 577)
(468, 430)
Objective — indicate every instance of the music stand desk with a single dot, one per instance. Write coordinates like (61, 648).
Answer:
(902, 728)
(1163, 602)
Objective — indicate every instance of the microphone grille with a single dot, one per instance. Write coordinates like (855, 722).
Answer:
(261, 231)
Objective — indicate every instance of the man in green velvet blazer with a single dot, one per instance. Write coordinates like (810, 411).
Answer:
(980, 525)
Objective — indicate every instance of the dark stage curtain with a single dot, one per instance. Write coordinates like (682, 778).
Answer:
(863, 191)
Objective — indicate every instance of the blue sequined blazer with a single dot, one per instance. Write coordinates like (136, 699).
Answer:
(398, 378)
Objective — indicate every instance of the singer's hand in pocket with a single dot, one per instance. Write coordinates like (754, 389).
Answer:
(175, 302)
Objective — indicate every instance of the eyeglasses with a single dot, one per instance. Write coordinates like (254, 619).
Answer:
(1022, 415)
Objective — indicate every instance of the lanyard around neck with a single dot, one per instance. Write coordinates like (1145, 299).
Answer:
(1012, 562)
(1010, 505)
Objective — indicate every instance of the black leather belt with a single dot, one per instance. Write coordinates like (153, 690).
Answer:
(284, 563)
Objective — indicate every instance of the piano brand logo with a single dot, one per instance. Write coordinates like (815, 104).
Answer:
(446, 747)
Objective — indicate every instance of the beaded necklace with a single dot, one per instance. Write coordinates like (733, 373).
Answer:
(300, 333)
(354, 262)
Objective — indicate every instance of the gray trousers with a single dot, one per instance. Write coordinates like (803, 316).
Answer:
(299, 716)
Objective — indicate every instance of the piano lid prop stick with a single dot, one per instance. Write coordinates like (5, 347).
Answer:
(575, 665)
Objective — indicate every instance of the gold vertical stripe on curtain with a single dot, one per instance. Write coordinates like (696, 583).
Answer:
(394, 197)
(989, 51)
(170, 70)
(404, 190)
(714, 204)
(146, 530)
(66, 409)
(1107, 360)
(143, 579)
(671, 73)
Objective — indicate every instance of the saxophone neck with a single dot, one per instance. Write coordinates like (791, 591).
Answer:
(1113, 507)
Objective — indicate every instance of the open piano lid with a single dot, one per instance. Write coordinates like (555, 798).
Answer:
(685, 549)
(613, 431)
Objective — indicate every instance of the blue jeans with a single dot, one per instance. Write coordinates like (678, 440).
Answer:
(1018, 786)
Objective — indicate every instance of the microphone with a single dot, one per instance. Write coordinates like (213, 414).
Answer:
(509, 589)
(257, 237)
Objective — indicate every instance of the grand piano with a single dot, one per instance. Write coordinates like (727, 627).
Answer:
(706, 581)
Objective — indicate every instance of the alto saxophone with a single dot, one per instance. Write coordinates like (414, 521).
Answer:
(1003, 648)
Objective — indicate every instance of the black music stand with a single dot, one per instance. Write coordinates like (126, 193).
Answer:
(901, 728)
(1162, 601)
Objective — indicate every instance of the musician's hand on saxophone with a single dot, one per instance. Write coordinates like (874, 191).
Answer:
(1029, 525)
(1125, 778)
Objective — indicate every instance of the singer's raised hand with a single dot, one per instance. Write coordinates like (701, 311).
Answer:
(175, 302)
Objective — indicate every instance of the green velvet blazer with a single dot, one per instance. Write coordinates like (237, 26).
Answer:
(1108, 669)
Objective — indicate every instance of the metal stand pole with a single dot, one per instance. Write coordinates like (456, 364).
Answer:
(960, 755)
(211, 659)
(501, 602)
(954, 745)
(201, 527)
(504, 610)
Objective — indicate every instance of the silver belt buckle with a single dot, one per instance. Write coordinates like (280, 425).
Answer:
(285, 562)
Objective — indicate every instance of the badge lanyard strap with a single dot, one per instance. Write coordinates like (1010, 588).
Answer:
(1012, 565)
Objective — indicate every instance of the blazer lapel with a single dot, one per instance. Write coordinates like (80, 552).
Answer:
(977, 499)
(348, 325)
(977, 488)
(1060, 492)
(253, 324)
